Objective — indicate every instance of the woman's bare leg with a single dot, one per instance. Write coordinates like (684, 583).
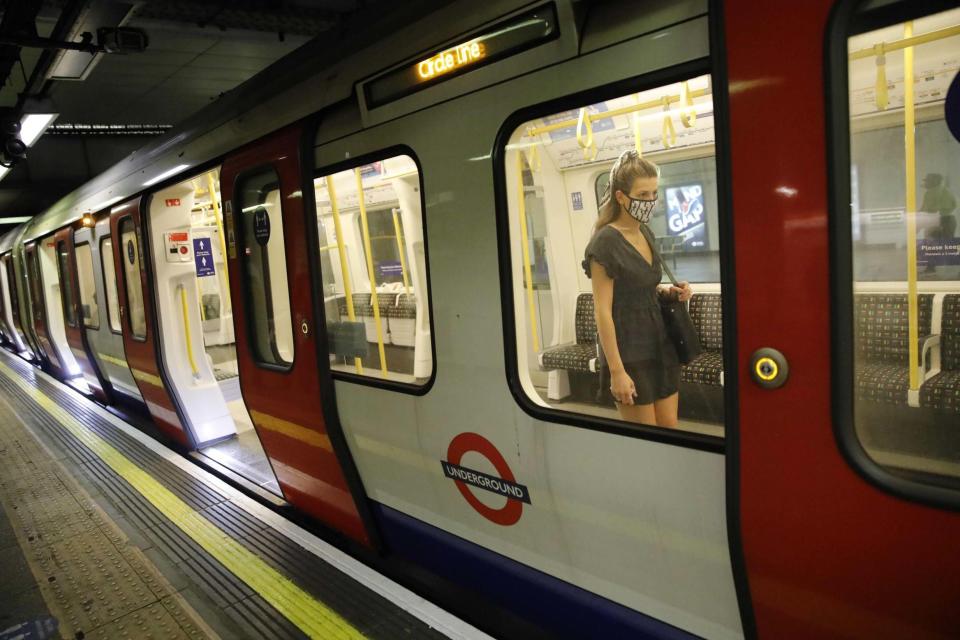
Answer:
(666, 410)
(638, 413)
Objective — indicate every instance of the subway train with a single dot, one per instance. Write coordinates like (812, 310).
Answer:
(354, 285)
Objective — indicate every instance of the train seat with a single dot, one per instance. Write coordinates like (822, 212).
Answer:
(942, 390)
(707, 315)
(578, 356)
(881, 328)
(402, 317)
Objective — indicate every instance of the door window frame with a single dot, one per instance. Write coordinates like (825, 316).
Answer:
(240, 236)
(652, 80)
(106, 284)
(932, 490)
(321, 171)
(123, 274)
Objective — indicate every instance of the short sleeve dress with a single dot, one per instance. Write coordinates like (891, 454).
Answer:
(648, 355)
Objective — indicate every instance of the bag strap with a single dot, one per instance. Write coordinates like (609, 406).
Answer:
(652, 241)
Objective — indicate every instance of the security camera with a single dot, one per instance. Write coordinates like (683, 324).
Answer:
(122, 39)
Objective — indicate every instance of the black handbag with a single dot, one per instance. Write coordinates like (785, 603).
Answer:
(678, 323)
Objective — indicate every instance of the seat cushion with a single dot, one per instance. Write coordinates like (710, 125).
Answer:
(883, 383)
(586, 324)
(705, 369)
(707, 315)
(575, 357)
(942, 391)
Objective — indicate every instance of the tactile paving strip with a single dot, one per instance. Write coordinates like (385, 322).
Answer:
(93, 582)
(368, 613)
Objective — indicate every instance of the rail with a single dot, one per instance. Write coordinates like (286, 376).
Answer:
(224, 284)
(403, 259)
(909, 118)
(374, 300)
(344, 267)
(527, 271)
(186, 331)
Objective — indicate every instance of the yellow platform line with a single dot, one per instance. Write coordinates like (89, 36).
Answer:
(314, 618)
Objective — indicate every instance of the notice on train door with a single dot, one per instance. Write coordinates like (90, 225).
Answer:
(203, 257)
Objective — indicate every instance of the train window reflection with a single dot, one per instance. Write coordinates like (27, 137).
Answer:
(372, 258)
(89, 309)
(565, 225)
(110, 283)
(66, 288)
(265, 268)
(905, 169)
(130, 252)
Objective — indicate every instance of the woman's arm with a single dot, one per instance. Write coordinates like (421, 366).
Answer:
(621, 386)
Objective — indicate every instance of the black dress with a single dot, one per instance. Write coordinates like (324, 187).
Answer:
(647, 353)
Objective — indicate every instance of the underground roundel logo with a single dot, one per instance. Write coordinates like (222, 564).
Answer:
(505, 485)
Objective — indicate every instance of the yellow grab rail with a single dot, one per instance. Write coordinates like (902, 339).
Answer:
(668, 135)
(224, 284)
(908, 41)
(911, 208)
(344, 268)
(882, 96)
(603, 115)
(527, 272)
(403, 259)
(186, 331)
(688, 115)
(374, 300)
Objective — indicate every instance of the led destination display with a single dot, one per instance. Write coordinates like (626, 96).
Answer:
(509, 37)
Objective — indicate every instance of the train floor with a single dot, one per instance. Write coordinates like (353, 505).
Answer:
(105, 533)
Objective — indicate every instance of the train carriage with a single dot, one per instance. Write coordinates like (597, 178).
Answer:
(354, 286)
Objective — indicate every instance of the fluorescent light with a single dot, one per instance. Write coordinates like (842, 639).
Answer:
(15, 220)
(32, 126)
(166, 174)
(4, 171)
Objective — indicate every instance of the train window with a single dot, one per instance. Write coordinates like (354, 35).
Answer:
(66, 290)
(36, 285)
(370, 223)
(564, 224)
(89, 309)
(110, 283)
(265, 268)
(900, 216)
(130, 251)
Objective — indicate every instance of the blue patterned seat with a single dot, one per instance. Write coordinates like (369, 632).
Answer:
(881, 338)
(942, 391)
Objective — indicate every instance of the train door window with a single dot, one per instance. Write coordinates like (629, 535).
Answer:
(265, 268)
(66, 290)
(899, 221)
(89, 309)
(130, 251)
(557, 184)
(370, 223)
(36, 285)
(110, 283)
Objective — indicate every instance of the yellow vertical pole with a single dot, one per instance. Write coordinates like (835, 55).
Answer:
(342, 251)
(373, 281)
(528, 274)
(909, 123)
(403, 259)
(224, 285)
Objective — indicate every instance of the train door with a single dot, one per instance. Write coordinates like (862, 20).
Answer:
(274, 315)
(847, 461)
(194, 312)
(38, 311)
(137, 320)
(105, 334)
(75, 316)
(53, 303)
(11, 297)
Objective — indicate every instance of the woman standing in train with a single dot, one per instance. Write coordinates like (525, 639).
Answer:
(625, 270)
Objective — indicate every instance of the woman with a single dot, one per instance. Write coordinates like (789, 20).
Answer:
(626, 273)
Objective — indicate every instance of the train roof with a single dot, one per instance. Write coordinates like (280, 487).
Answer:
(265, 102)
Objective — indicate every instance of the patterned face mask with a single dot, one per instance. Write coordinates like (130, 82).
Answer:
(641, 210)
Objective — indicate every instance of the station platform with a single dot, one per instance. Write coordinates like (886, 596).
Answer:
(105, 533)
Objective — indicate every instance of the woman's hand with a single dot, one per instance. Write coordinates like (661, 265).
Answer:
(683, 292)
(621, 386)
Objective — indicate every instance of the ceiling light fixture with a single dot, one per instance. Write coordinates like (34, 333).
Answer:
(32, 126)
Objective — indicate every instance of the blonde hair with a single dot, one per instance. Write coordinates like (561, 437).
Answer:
(628, 167)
